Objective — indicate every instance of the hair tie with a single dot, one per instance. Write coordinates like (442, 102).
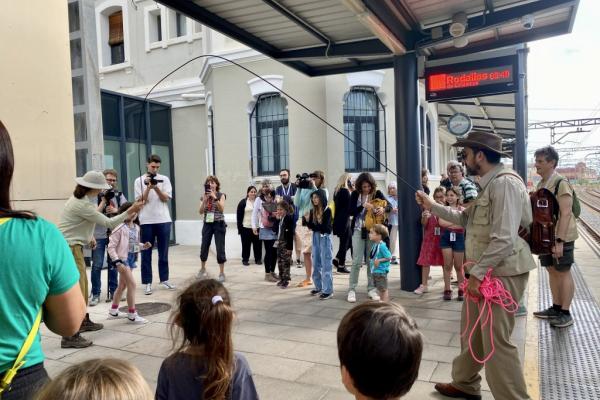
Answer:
(217, 299)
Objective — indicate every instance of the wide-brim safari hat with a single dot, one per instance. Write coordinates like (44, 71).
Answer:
(93, 180)
(482, 140)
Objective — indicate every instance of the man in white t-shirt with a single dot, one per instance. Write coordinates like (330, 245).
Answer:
(155, 191)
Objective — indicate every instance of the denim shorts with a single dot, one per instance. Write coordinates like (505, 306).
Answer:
(457, 245)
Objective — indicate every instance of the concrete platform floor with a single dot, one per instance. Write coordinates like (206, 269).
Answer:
(288, 336)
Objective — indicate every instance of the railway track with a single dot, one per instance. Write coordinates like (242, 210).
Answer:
(590, 214)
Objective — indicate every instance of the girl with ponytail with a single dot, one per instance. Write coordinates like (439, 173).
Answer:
(204, 365)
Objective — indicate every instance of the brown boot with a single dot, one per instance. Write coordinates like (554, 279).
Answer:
(450, 391)
(75, 342)
(88, 326)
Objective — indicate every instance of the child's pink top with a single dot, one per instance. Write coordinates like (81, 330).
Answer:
(118, 243)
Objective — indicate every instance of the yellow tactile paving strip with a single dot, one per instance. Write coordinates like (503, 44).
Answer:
(531, 362)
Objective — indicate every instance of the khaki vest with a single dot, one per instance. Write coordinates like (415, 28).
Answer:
(478, 232)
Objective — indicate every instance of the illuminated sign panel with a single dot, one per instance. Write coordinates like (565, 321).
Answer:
(479, 78)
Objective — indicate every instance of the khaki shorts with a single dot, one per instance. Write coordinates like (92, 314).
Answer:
(306, 238)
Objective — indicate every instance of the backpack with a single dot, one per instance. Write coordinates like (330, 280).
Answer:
(542, 233)
(370, 217)
(576, 207)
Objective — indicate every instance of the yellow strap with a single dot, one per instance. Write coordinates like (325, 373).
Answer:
(3, 220)
(19, 362)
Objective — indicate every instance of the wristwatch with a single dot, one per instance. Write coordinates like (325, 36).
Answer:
(559, 240)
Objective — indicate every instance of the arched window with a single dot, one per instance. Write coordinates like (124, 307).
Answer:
(364, 124)
(269, 135)
(426, 138)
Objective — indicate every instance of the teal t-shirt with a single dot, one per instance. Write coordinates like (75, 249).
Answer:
(379, 250)
(36, 262)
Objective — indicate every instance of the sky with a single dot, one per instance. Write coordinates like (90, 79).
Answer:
(564, 80)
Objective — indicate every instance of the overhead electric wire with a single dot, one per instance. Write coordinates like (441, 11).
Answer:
(142, 115)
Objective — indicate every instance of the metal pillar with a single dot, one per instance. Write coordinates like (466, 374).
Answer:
(520, 149)
(408, 167)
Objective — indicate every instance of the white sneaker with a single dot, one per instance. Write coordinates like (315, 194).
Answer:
(112, 314)
(373, 295)
(134, 318)
(421, 289)
(168, 285)
(221, 278)
(202, 274)
(148, 289)
(351, 296)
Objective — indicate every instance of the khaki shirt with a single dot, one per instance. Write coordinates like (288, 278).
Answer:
(564, 189)
(80, 216)
(492, 225)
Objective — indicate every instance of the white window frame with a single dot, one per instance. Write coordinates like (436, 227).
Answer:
(102, 11)
(193, 29)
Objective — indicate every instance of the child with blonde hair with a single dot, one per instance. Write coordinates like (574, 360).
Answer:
(123, 248)
(98, 379)
(204, 365)
(379, 260)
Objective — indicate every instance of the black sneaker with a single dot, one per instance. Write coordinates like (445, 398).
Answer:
(335, 263)
(343, 270)
(279, 283)
(246, 263)
(298, 264)
(548, 313)
(325, 296)
(562, 321)
(258, 262)
(314, 292)
(284, 284)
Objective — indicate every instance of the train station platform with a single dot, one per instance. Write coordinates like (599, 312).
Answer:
(289, 337)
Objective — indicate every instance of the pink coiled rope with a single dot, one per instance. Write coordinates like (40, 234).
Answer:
(492, 292)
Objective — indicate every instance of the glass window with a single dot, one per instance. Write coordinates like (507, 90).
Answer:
(160, 123)
(116, 39)
(81, 161)
(180, 23)
(269, 121)
(76, 60)
(429, 142)
(135, 119)
(74, 24)
(111, 123)
(77, 85)
(135, 164)
(80, 127)
(364, 148)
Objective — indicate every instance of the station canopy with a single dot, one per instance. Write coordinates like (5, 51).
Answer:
(324, 37)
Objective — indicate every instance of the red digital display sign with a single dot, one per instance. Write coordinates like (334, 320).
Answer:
(478, 77)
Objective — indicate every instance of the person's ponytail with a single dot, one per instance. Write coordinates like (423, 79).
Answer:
(218, 351)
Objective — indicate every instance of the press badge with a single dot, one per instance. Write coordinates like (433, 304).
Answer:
(210, 217)
(453, 236)
(436, 231)
(134, 247)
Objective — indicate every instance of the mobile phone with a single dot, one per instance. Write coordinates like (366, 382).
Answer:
(207, 188)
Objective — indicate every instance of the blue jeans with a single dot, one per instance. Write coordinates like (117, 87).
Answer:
(158, 235)
(97, 261)
(322, 256)
(132, 260)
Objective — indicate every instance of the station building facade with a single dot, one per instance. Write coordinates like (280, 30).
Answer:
(212, 117)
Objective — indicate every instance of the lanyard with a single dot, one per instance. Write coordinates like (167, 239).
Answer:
(289, 189)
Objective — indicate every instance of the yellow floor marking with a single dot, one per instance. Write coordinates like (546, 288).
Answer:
(531, 364)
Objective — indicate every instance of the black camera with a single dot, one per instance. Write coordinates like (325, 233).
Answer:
(110, 194)
(303, 180)
(153, 181)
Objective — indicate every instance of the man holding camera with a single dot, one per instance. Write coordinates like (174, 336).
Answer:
(287, 191)
(155, 191)
(108, 202)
